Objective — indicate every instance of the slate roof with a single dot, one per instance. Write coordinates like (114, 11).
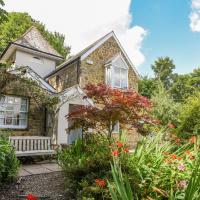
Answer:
(90, 48)
(78, 55)
(33, 39)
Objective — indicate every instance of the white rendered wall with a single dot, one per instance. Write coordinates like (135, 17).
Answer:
(42, 67)
(62, 136)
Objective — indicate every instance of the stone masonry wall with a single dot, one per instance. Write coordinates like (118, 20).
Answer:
(36, 115)
(65, 78)
(95, 73)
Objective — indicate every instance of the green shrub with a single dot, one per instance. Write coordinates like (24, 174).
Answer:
(190, 116)
(85, 162)
(8, 161)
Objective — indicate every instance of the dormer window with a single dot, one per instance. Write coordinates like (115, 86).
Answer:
(117, 73)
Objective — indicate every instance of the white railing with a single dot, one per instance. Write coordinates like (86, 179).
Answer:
(32, 145)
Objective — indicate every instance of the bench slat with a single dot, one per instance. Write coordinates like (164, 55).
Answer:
(32, 145)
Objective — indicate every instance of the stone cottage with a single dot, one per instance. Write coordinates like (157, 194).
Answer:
(104, 61)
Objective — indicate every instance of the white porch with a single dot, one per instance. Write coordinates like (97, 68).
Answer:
(69, 99)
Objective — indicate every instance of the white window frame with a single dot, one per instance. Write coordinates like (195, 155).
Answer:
(109, 72)
(3, 109)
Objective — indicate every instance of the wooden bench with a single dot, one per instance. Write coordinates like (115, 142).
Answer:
(32, 145)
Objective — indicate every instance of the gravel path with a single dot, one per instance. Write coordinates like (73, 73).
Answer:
(50, 185)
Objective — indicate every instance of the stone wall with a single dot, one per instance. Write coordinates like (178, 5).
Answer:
(95, 73)
(36, 122)
(64, 78)
(132, 137)
(36, 113)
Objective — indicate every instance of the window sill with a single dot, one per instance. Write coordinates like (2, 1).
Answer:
(14, 127)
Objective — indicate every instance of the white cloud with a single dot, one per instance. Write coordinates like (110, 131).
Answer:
(85, 21)
(195, 16)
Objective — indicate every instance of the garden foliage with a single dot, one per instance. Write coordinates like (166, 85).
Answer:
(164, 108)
(86, 166)
(157, 169)
(112, 105)
(8, 161)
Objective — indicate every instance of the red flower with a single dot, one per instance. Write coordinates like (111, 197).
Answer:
(173, 156)
(31, 197)
(179, 158)
(126, 150)
(119, 144)
(170, 125)
(115, 153)
(100, 182)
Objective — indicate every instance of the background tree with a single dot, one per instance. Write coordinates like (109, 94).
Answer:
(164, 108)
(146, 86)
(163, 70)
(190, 116)
(185, 85)
(3, 13)
(111, 106)
(17, 23)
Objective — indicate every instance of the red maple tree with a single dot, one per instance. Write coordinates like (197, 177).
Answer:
(111, 105)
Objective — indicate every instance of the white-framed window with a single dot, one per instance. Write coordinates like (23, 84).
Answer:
(117, 73)
(13, 112)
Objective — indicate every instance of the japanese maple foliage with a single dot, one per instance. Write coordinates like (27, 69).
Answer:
(111, 105)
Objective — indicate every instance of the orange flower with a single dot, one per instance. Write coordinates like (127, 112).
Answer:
(179, 158)
(100, 182)
(126, 150)
(188, 152)
(31, 197)
(173, 156)
(115, 153)
(119, 144)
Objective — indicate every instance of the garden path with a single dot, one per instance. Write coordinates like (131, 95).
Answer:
(33, 169)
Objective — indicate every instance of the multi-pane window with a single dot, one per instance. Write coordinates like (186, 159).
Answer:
(13, 112)
(117, 74)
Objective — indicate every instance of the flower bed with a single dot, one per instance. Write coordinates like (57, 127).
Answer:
(157, 169)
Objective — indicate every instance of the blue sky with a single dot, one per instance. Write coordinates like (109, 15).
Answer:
(169, 33)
